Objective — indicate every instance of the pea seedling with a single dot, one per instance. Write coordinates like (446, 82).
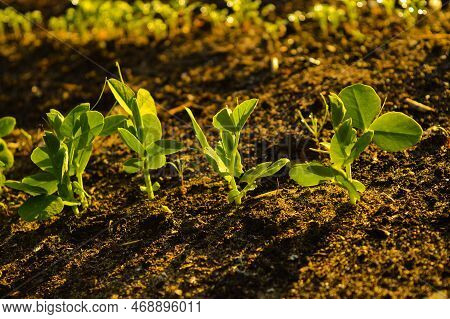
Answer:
(7, 125)
(180, 167)
(356, 122)
(63, 159)
(142, 134)
(225, 158)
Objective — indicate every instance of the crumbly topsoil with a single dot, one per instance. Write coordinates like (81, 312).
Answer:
(286, 241)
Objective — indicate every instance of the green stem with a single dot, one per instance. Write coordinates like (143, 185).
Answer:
(231, 168)
(148, 180)
(348, 169)
(84, 202)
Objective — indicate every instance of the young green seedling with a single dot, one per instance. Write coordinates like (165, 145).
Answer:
(142, 134)
(356, 122)
(63, 159)
(225, 158)
(180, 167)
(7, 125)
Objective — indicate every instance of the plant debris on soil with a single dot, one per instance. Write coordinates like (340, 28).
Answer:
(286, 241)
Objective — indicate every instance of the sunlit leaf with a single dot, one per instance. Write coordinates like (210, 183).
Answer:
(395, 131)
(41, 207)
(362, 104)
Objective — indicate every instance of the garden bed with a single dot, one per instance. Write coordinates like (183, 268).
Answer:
(283, 241)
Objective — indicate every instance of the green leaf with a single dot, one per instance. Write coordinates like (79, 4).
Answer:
(56, 119)
(41, 158)
(2, 164)
(43, 180)
(112, 123)
(132, 166)
(228, 142)
(41, 207)
(224, 121)
(362, 104)
(83, 158)
(395, 131)
(216, 162)
(359, 147)
(238, 168)
(91, 126)
(198, 130)
(157, 161)
(6, 156)
(275, 167)
(152, 128)
(342, 142)
(156, 186)
(358, 186)
(255, 172)
(311, 174)
(164, 147)
(145, 102)
(337, 109)
(7, 124)
(131, 141)
(29, 189)
(69, 125)
(242, 112)
(122, 93)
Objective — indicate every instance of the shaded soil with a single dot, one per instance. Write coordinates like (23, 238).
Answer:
(295, 242)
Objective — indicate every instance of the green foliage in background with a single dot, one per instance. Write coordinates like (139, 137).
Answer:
(7, 125)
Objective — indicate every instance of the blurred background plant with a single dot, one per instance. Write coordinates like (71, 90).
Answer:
(143, 21)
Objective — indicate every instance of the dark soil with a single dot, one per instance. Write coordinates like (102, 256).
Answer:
(292, 243)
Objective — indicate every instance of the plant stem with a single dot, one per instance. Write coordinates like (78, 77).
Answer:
(84, 202)
(148, 180)
(231, 168)
(348, 169)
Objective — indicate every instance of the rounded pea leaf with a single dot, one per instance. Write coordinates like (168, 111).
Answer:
(112, 123)
(41, 207)
(145, 102)
(132, 166)
(165, 147)
(7, 124)
(42, 180)
(395, 131)
(242, 112)
(362, 104)
(337, 109)
(157, 161)
(131, 141)
(29, 189)
(41, 158)
(342, 142)
(6, 157)
(224, 120)
(152, 128)
(275, 167)
(69, 125)
(311, 174)
(91, 126)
